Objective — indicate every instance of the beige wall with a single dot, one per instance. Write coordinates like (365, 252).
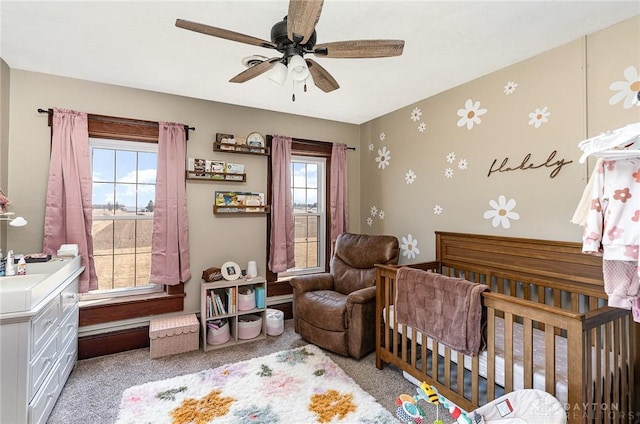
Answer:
(213, 240)
(572, 82)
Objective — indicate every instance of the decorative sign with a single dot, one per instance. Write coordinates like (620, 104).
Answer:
(524, 165)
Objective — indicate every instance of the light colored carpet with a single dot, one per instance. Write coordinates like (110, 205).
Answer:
(94, 389)
(296, 385)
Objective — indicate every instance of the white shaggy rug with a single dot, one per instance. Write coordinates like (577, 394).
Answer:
(301, 385)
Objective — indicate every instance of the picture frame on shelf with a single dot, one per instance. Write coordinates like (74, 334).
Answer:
(256, 140)
(231, 271)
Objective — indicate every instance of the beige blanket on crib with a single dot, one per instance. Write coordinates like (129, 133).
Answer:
(447, 309)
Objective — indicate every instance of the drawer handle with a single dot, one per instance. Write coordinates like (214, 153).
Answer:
(71, 296)
(48, 322)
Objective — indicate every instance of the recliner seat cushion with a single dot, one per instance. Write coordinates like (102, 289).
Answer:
(324, 309)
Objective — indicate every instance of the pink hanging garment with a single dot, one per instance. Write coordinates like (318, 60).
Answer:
(635, 309)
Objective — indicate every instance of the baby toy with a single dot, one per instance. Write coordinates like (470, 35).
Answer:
(457, 413)
(410, 412)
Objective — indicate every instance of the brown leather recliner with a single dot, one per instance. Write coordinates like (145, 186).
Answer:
(336, 310)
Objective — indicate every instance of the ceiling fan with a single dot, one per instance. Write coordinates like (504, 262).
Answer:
(294, 37)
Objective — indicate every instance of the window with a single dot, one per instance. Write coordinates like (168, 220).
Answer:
(124, 175)
(309, 213)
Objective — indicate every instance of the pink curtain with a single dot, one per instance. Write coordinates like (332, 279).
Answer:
(170, 240)
(281, 250)
(68, 209)
(338, 192)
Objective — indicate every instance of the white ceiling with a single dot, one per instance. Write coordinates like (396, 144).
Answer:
(136, 44)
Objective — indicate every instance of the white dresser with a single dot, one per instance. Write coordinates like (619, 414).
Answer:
(38, 338)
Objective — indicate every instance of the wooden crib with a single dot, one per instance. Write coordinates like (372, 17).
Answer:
(541, 290)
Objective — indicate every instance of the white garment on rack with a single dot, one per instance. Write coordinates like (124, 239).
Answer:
(619, 144)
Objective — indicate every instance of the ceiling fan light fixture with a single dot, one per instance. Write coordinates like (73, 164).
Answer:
(298, 69)
(278, 73)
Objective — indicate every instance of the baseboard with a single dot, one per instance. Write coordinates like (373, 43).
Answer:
(113, 342)
(117, 341)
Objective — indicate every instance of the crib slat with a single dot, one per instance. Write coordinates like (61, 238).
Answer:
(447, 366)
(434, 361)
(412, 348)
(423, 353)
(588, 368)
(460, 374)
(616, 365)
(575, 304)
(528, 353)
(508, 352)
(593, 338)
(549, 360)
(491, 354)
(475, 380)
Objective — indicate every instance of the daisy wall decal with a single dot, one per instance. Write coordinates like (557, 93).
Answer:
(510, 87)
(463, 164)
(374, 210)
(410, 177)
(502, 212)
(422, 127)
(381, 214)
(384, 156)
(369, 221)
(382, 136)
(627, 91)
(416, 113)
(451, 157)
(471, 114)
(539, 117)
(448, 172)
(371, 147)
(437, 210)
(409, 247)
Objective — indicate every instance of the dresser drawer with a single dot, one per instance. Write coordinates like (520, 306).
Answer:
(69, 298)
(41, 366)
(68, 359)
(42, 404)
(44, 326)
(69, 328)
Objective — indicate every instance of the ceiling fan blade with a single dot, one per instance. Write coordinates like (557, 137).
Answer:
(255, 70)
(302, 19)
(321, 78)
(223, 33)
(356, 49)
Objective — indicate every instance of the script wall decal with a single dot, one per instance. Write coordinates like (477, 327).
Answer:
(526, 165)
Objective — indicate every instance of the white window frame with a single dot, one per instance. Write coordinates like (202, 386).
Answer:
(322, 216)
(136, 146)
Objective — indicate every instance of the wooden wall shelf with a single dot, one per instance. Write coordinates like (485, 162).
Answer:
(241, 210)
(216, 176)
(241, 149)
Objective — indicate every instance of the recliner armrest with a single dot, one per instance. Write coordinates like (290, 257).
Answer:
(364, 295)
(313, 282)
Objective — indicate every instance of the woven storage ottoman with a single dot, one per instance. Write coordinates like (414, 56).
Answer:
(173, 335)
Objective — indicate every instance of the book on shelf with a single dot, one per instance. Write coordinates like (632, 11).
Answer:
(219, 304)
(231, 299)
(214, 307)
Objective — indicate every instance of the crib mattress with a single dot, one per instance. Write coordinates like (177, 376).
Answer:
(518, 357)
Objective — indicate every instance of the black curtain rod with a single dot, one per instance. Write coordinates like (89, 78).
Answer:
(108, 119)
(314, 142)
